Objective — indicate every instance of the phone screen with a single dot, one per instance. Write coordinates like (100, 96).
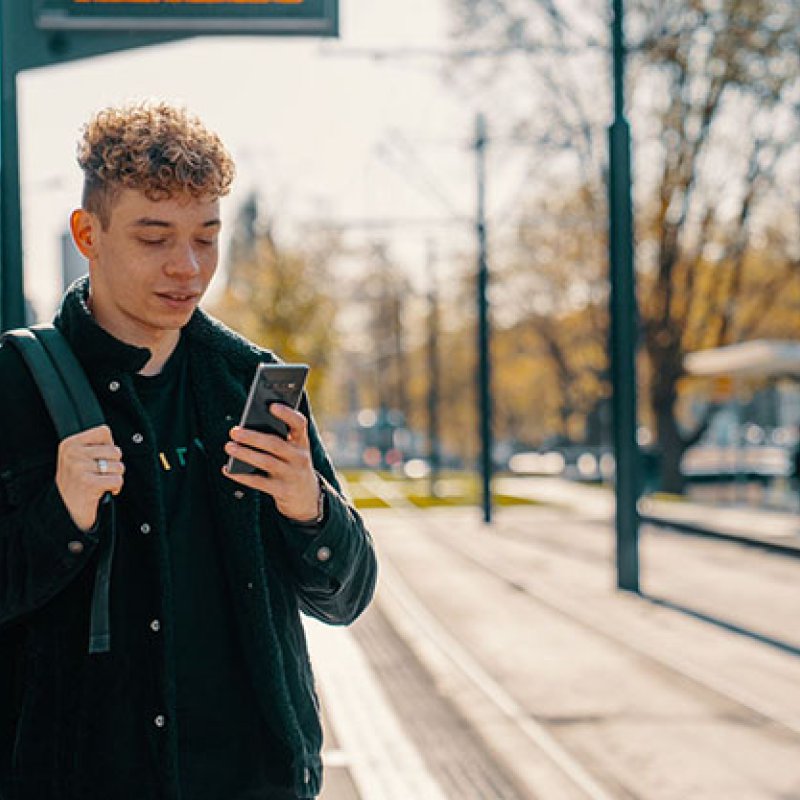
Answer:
(273, 383)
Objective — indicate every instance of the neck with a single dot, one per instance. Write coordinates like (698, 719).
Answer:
(161, 344)
(160, 353)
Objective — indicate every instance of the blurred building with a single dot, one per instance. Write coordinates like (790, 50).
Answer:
(73, 264)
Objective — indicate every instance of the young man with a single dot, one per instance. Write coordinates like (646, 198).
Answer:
(202, 690)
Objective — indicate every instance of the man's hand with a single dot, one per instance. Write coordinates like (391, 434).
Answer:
(89, 465)
(290, 477)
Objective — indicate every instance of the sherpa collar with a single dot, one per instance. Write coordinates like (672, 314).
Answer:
(98, 349)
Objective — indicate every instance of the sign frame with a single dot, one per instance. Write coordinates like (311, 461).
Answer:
(191, 17)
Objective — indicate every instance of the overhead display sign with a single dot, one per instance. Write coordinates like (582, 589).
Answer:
(298, 17)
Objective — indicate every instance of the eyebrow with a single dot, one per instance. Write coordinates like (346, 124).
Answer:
(150, 222)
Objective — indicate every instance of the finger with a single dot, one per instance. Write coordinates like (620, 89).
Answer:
(297, 423)
(99, 435)
(265, 442)
(264, 483)
(109, 452)
(101, 484)
(255, 458)
(114, 488)
(110, 467)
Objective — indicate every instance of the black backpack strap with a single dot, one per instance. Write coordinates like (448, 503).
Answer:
(100, 626)
(73, 407)
(84, 401)
(48, 379)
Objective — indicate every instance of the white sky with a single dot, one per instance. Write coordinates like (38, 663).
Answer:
(303, 118)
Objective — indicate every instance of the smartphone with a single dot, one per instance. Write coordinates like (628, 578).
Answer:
(272, 383)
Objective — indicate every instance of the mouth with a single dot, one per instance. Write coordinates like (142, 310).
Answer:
(178, 299)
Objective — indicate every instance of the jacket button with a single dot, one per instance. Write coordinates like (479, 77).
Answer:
(145, 527)
(113, 386)
(238, 494)
(75, 547)
(323, 554)
(160, 721)
(250, 585)
(155, 625)
(137, 438)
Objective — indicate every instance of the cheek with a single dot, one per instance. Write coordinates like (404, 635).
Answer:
(130, 273)
(208, 264)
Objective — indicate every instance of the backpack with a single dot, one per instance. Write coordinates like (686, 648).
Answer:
(73, 407)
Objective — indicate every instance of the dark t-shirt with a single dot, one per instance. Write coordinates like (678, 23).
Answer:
(225, 750)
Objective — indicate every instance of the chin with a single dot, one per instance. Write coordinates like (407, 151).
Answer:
(174, 319)
(178, 321)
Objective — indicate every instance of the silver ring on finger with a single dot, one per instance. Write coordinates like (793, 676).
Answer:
(102, 465)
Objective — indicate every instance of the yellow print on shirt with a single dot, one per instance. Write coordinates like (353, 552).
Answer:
(178, 456)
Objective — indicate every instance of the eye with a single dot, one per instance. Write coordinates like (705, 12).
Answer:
(154, 242)
(205, 242)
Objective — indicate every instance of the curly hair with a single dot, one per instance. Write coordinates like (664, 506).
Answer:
(154, 147)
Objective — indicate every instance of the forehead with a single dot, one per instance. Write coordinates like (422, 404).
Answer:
(132, 207)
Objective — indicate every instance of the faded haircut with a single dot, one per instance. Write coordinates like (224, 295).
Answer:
(153, 147)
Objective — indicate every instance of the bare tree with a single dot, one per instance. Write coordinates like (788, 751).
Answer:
(715, 105)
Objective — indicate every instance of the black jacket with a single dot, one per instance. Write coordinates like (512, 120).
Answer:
(87, 727)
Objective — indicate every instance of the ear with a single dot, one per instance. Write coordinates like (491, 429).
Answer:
(84, 226)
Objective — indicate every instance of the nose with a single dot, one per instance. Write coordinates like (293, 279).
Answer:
(185, 261)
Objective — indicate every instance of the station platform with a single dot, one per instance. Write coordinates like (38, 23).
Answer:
(501, 662)
(730, 520)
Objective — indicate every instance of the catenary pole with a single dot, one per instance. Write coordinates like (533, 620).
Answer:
(624, 323)
(484, 374)
(12, 295)
(434, 448)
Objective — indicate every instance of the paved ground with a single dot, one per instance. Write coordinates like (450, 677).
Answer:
(512, 646)
(598, 502)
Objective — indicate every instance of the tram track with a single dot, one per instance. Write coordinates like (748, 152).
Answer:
(593, 550)
(662, 660)
(666, 517)
(589, 777)
(418, 622)
(693, 529)
(454, 754)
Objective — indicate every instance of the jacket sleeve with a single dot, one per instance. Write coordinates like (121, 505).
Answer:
(334, 564)
(39, 554)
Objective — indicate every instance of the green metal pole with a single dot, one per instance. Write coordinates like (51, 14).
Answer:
(484, 374)
(12, 295)
(434, 447)
(624, 324)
